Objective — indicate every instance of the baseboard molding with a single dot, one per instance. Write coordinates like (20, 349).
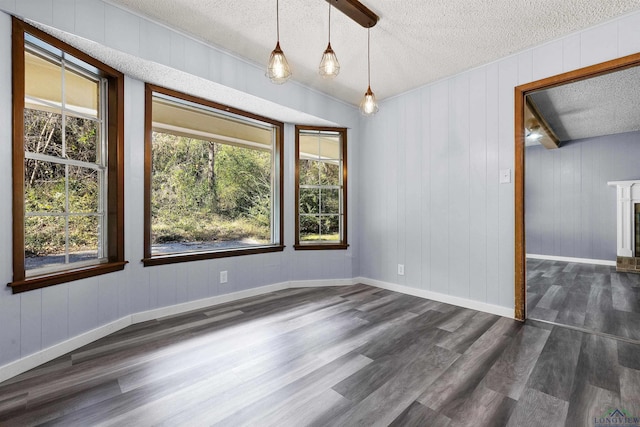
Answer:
(172, 310)
(436, 296)
(570, 259)
(31, 361)
(34, 360)
(321, 283)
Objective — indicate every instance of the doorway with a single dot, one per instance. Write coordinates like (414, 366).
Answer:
(555, 268)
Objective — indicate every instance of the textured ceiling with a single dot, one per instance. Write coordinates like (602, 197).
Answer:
(603, 105)
(414, 43)
(161, 75)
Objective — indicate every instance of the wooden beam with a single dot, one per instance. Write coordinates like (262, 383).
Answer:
(356, 11)
(549, 139)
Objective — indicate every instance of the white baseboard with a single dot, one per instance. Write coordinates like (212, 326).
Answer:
(172, 310)
(320, 283)
(570, 259)
(31, 361)
(34, 360)
(158, 313)
(436, 296)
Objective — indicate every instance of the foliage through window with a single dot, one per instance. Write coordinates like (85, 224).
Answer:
(62, 180)
(321, 188)
(213, 180)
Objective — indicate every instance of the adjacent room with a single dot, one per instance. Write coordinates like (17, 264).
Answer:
(319, 212)
(580, 218)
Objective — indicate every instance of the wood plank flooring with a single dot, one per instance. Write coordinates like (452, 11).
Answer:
(337, 356)
(593, 297)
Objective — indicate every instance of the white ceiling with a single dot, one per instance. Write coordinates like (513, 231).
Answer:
(603, 105)
(414, 43)
(161, 75)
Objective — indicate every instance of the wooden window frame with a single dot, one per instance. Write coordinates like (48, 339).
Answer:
(115, 166)
(162, 259)
(321, 246)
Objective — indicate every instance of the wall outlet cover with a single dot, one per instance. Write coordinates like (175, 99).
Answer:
(223, 276)
(400, 269)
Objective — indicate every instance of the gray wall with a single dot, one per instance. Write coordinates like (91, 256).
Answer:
(430, 196)
(35, 320)
(570, 209)
(423, 178)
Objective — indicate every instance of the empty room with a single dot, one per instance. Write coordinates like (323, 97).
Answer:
(319, 212)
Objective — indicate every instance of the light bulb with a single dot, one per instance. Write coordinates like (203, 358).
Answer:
(369, 106)
(533, 136)
(329, 65)
(278, 71)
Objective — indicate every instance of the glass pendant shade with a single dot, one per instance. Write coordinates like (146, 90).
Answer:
(278, 70)
(329, 65)
(368, 105)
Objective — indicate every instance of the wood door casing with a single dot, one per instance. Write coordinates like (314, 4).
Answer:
(519, 171)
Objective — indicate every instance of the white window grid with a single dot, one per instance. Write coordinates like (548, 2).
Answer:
(65, 62)
(339, 187)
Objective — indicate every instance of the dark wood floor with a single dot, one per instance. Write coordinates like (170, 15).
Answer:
(588, 296)
(338, 356)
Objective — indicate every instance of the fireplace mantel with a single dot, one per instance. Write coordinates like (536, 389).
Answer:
(627, 195)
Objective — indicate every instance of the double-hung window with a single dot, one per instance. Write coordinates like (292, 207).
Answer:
(321, 188)
(67, 164)
(213, 180)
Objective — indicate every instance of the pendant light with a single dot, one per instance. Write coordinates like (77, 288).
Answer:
(329, 65)
(368, 105)
(278, 70)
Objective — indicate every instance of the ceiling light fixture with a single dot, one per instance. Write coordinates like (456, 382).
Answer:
(278, 70)
(532, 130)
(329, 65)
(368, 105)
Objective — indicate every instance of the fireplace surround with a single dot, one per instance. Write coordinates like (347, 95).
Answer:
(636, 224)
(627, 225)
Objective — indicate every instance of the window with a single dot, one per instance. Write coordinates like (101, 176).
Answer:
(213, 180)
(67, 163)
(321, 188)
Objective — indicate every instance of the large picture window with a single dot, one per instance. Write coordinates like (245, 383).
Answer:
(213, 180)
(67, 170)
(321, 188)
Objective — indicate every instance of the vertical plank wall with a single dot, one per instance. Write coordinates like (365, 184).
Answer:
(575, 216)
(423, 179)
(35, 320)
(430, 196)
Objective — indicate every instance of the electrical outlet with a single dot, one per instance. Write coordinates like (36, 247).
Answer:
(400, 269)
(223, 276)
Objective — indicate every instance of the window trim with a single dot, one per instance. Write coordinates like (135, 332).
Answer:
(151, 260)
(115, 166)
(343, 244)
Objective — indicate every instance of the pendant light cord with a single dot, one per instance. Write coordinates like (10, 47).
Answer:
(329, 23)
(278, 21)
(369, 56)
